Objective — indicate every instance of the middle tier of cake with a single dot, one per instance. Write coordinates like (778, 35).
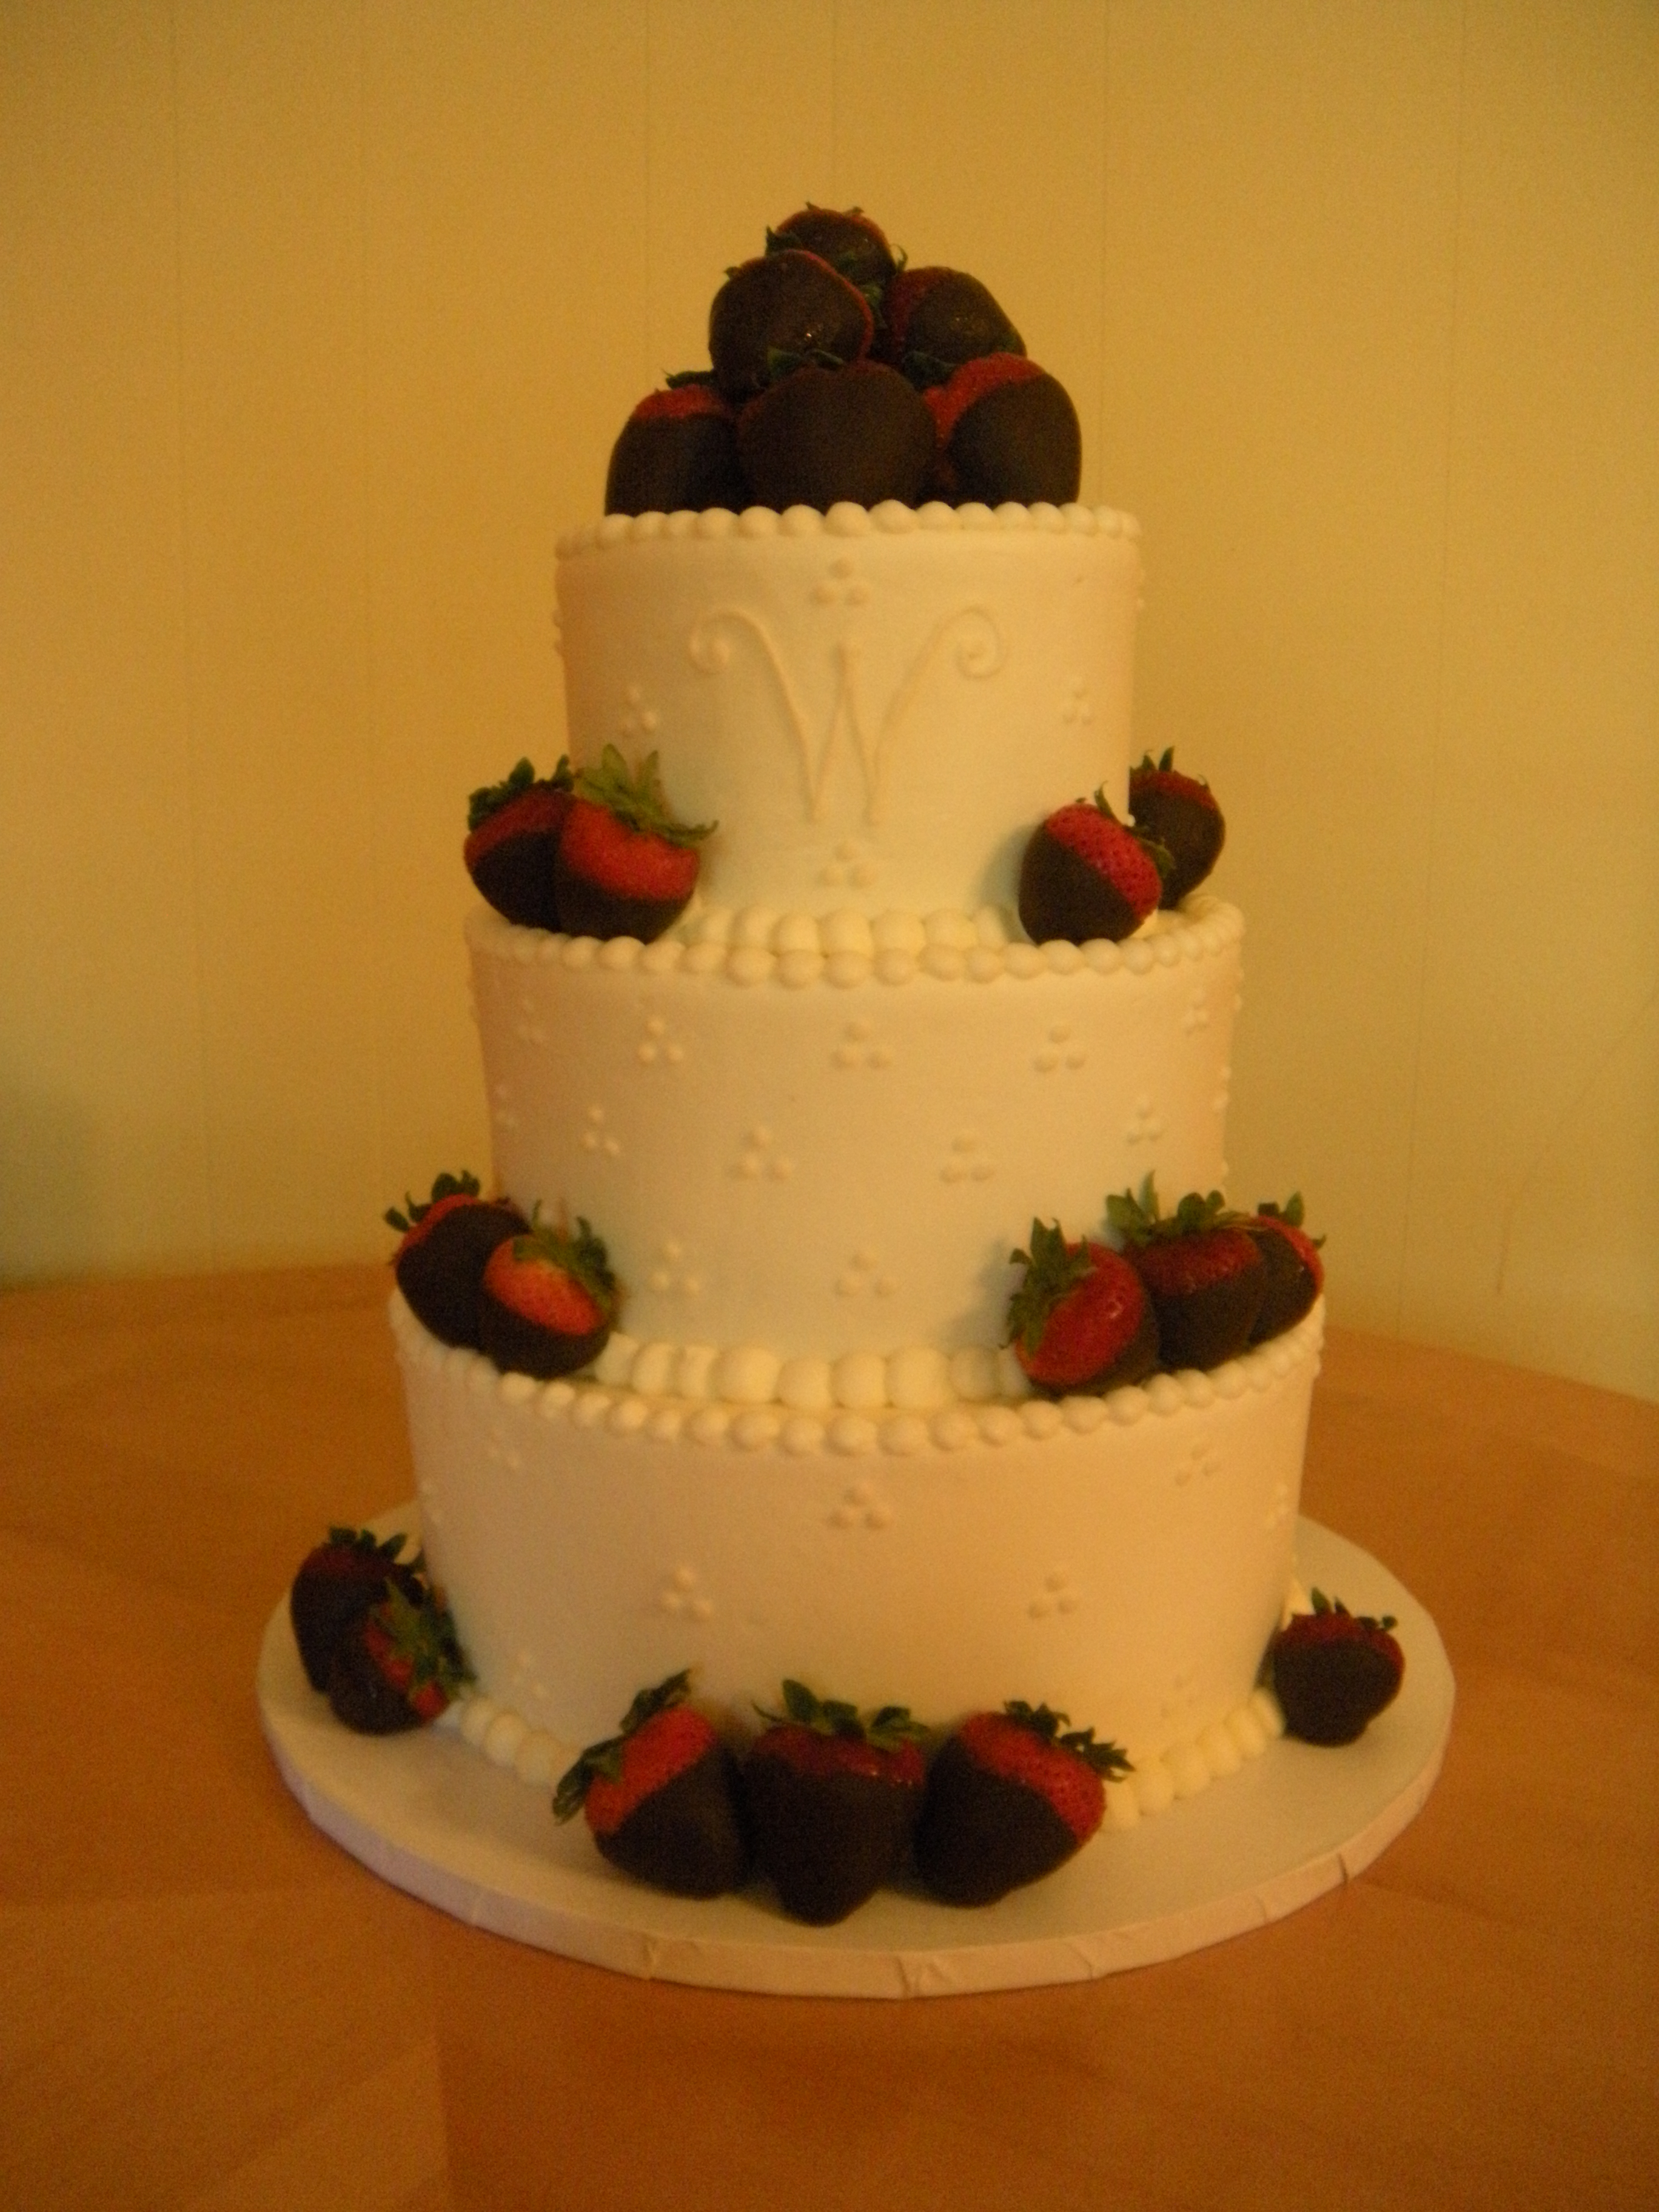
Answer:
(811, 1164)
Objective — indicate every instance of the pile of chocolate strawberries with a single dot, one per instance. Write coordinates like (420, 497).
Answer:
(839, 374)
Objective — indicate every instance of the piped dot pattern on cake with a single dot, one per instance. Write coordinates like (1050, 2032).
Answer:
(861, 1506)
(656, 1048)
(1058, 1598)
(1059, 1050)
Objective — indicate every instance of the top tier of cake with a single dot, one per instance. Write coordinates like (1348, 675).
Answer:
(875, 705)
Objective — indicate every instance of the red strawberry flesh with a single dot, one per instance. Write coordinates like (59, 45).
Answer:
(1096, 1336)
(1066, 1783)
(660, 1799)
(1005, 1805)
(616, 881)
(1206, 1290)
(338, 1584)
(399, 1667)
(535, 1318)
(1085, 876)
(440, 1263)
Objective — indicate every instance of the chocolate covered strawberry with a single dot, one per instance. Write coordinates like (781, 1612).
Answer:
(1007, 430)
(937, 319)
(1084, 875)
(1296, 1273)
(854, 246)
(627, 866)
(779, 313)
(832, 1799)
(860, 433)
(338, 1582)
(1204, 1277)
(548, 1301)
(1179, 812)
(1011, 1795)
(660, 1797)
(447, 1240)
(679, 449)
(399, 1667)
(1334, 1671)
(512, 832)
(1079, 1320)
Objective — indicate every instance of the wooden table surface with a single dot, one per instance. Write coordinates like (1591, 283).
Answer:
(204, 2003)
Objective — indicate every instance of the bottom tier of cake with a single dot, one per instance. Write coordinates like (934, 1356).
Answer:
(428, 1813)
(1124, 1558)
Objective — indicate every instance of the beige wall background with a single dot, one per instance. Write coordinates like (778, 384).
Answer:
(319, 320)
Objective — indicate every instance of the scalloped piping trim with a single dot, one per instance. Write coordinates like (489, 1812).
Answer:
(891, 519)
(667, 1412)
(1181, 1769)
(844, 949)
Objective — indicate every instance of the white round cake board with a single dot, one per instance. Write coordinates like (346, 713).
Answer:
(430, 1813)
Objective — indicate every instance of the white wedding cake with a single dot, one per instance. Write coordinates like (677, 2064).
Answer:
(812, 1121)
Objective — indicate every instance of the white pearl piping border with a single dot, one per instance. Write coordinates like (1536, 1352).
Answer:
(1181, 1769)
(588, 1401)
(845, 949)
(890, 518)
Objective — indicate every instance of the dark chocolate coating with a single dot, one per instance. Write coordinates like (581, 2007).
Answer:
(1331, 1692)
(1291, 1289)
(981, 1835)
(516, 877)
(665, 464)
(1061, 895)
(1207, 1327)
(441, 1275)
(852, 249)
(325, 1608)
(860, 433)
(363, 1697)
(1021, 441)
(587, 909)
(956, 319)
(827, 1842)
(788, 303)
(519, 1347)
(1191, 833)
(686, 1838)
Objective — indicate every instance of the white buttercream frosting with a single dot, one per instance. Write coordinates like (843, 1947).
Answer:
(835, 1154)
(812, 1122)
(876, 707)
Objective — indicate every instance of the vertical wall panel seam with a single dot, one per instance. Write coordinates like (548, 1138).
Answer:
(835, 103)
(1438, 710)
(187, 646)
(649, 349)
(379, 958)
(1102, 489)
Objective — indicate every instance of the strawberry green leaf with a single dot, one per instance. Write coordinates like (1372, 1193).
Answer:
(489, 798)
(444, 1186)
(1052, 1269)
(636, 798)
